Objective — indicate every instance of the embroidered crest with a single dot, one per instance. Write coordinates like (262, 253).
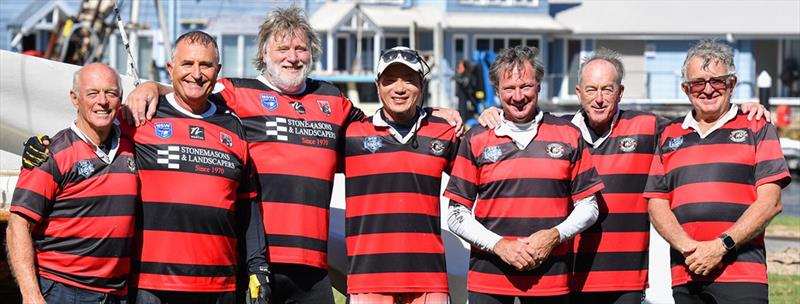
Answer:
(324, 106)
(628, 144)
(131, 165)
(164, 129)
(269, 101)
(492, 153)
(738, 136)
(675, 143)
(226, 139)
(372, 143)
(298, 106)
(85, 168)
(437, 147)
(555, 150)
(196, 132)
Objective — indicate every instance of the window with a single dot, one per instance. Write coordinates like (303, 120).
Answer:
(573, 58)
(498, 43)
(237, 53)
(459, 48)
(142, 55)
(342, 53)
(397, 40)
(500, 2)
(366, 53)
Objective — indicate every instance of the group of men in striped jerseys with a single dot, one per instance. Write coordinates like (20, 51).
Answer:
(519, 191)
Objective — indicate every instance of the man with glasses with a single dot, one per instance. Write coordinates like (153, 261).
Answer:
(393, 163)
(715, 185)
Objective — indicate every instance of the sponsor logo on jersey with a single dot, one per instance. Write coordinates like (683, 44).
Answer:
(164, 129)
(85, 168)
(675, 143)
(226, 139)
(437, 147)
(196, 132)
(628, 144)
(298, 106)
(555, 150)
(372, 143)
(269, 101)
(131, 165)
(492, 153)
(738, 136)
(324, 106)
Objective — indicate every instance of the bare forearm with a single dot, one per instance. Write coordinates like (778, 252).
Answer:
(667, 224)
(163, 89)
(756, 218)
(21, 256)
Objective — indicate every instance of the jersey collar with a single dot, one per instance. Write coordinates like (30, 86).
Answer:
(266, 82)
(378, 121)
(690, 122)
(212, 108)
(114, 134)
(521, 134)
(579, 121)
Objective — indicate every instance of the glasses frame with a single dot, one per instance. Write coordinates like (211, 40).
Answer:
(693, 86)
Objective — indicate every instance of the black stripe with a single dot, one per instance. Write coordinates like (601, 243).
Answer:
(709, 212)
(621, 222)
(746, 253)
(62, 140)
(232, 167)
(645, 144)
(462, 188)
(297, 242)
(605, 261)
(111, 283)
(256, 130)
(525, 187)
(32, 201)
(355, 146)
(624, 183)
(185, 269)
(284, 189)
(393, 183)
(713, 172)
(767, 132)
(656, 183)
(773, 167)
(96, 206)
(521, 227)
(720, 136)
(536, 149)
(187, 218)
(389, 223)
(397, 262)
(584, 181)
(492, 264)
(222, 118)
(93, 247)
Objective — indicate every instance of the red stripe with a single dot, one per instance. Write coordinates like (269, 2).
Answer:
(26, 212)
(566, 133)
(768, 150)
(625, 202)
(634, 163)
(713, 192)
(383, 163)
(294, 160)
(379, 243)
(557, 169)
(387, 203)
(154, 190)
(657, 195)
(517, 285)
(706, 231)
(736, 272)
(464, 169)
(700, 155)
(187, 248)
(643, 124)
(612, 242)
(76, 151)
(295, 219)
(585, 193)
(90, 227)
(394, 282)
(102, 185)
(292, 255)
(145, 135)
(98, 267)
(485, 139)
(458, 199)
(183, 283)
(522, 207)
(600, 281)
(39, 181)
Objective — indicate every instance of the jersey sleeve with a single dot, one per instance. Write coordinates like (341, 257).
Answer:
(452, 152)
(770, 165)
(464, 179)
(585, 180)
(352, 113)
(36, 191)
(227, 95)
(656, 185)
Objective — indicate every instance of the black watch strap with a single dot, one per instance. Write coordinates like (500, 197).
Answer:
(727, 241)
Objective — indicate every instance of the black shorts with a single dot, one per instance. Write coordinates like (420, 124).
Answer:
(484, 298)
(721, 293)
(295, 283)
(149, 296)
(611, 297)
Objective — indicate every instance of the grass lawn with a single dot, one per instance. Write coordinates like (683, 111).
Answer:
(784, 223)
(784, 288)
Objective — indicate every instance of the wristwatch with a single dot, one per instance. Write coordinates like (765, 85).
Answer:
(727, 242)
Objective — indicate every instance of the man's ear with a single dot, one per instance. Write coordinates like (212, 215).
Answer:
(74, 98)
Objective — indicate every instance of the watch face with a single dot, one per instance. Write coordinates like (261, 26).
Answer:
(727, 241)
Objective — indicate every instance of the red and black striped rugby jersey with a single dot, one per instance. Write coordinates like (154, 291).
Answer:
(710, 182)
(393, 232)
(294, 142)
(84, 211)
(518, 192)
(192, 168)
(611, 255)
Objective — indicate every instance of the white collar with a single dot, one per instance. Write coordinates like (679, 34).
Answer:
(378, 121)
(266, 82)
(690, 122)
(212, 108)
(115, 133)
(579, 121)
(520, 133)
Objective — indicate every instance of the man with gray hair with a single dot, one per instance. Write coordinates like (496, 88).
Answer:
(715, 184)
(522, 179)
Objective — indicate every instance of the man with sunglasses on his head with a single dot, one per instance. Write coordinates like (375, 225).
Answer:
(714, 186)
(393, 163)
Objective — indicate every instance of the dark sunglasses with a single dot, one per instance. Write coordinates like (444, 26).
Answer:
(408, 55)
(717, 83)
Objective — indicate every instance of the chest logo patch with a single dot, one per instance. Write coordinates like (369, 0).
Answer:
(675, 143)
(226, 139)
(738, 136)
(555, 150)
(269, 101)
(372, 144)
(324, 106)
(163, 129)
(298, 106)
(437, 147)
(197, 132)
(628, 144)
(85, 168)
(131, 165)
(492, 153)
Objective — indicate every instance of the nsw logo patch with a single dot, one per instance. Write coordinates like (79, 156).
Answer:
(164, 129)
(269, 101)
